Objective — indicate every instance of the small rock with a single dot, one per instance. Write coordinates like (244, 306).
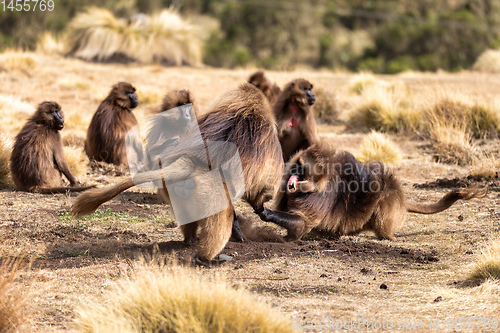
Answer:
(460, 218)
(339, 279)
(438, 299)
(383, 286)
(224, 258)
(323, 275)
(469, 252)
(239, 267)
(405, 251)
(365, 270)
(278, 271)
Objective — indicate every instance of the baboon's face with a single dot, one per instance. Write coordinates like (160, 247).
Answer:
(125, 96)
(301, 93)
(305, 167)
(50, 114)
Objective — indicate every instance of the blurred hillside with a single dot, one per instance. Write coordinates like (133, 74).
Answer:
(383, 36)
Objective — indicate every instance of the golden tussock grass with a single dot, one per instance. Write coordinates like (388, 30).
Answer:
(176, 299)
(485, 166)
(326, 109)
(379, 147)
(488, 264)
(5, 151)
(452, 142)
(361, 81)
(480, 118)
(148, 95)
(12, 60)
(74, 138)
(488, 61)
(12, 298)
(386, 107)
(49, 44)
(164, 37)
(14, 113)
(77, 160)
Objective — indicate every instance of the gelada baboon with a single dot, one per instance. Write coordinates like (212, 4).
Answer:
(37, 159)
(294, 117)
(110, 124)
(241, 117)
(330, 191)
(271, 90)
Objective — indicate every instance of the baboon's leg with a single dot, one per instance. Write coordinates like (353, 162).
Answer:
(189, 232)
(294, 224)
(236, 233)
(388, 218)
(258, 202)
(214, 235)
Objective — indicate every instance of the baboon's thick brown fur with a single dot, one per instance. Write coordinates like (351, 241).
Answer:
(294, 117)
(336, 194)
(37, 160)
(110, 124)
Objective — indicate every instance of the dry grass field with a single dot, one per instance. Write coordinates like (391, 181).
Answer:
(424, 275)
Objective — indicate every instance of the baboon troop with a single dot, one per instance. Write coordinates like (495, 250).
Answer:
(37, 160)
(254, 129)
(110, 124)
(330, 191)
(242, 117)
(294, 117)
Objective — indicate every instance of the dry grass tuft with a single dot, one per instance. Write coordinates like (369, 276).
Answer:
(13, 113)
(24, 62)
(485, 166)
(149, 96)
(452, 142)
(179, 300)
(363, 80)
(5, 151)
(488, 265)
(488, 61)
(165, 37)
(379, 147)
(49, 44)
(480, 119)
(77, 160)
(386, 107)
(74, 138)
(12, 299)
(326, 109)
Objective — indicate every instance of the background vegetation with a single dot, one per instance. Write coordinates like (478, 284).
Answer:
(379, 36)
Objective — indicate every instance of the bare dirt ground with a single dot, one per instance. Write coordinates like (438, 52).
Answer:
(415, 281)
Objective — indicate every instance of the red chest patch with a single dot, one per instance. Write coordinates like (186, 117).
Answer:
(293, 123)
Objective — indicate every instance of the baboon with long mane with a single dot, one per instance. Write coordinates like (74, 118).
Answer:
(110, 124)
(271, 90)
(241, 117)
(294, 117)
(330, 191)
(37, 161)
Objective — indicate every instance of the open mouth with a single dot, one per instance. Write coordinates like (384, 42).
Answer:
(292, 183)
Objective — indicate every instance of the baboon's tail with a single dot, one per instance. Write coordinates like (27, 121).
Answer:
(449, 199)
(53, 190)
(87, 202)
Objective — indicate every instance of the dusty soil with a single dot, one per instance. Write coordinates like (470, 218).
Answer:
(418, 278)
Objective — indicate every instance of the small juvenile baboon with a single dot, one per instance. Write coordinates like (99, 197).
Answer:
(271, 90)
(110, 124)
(294, 117)
(37, 159)
(242, 118)
(330, 191)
